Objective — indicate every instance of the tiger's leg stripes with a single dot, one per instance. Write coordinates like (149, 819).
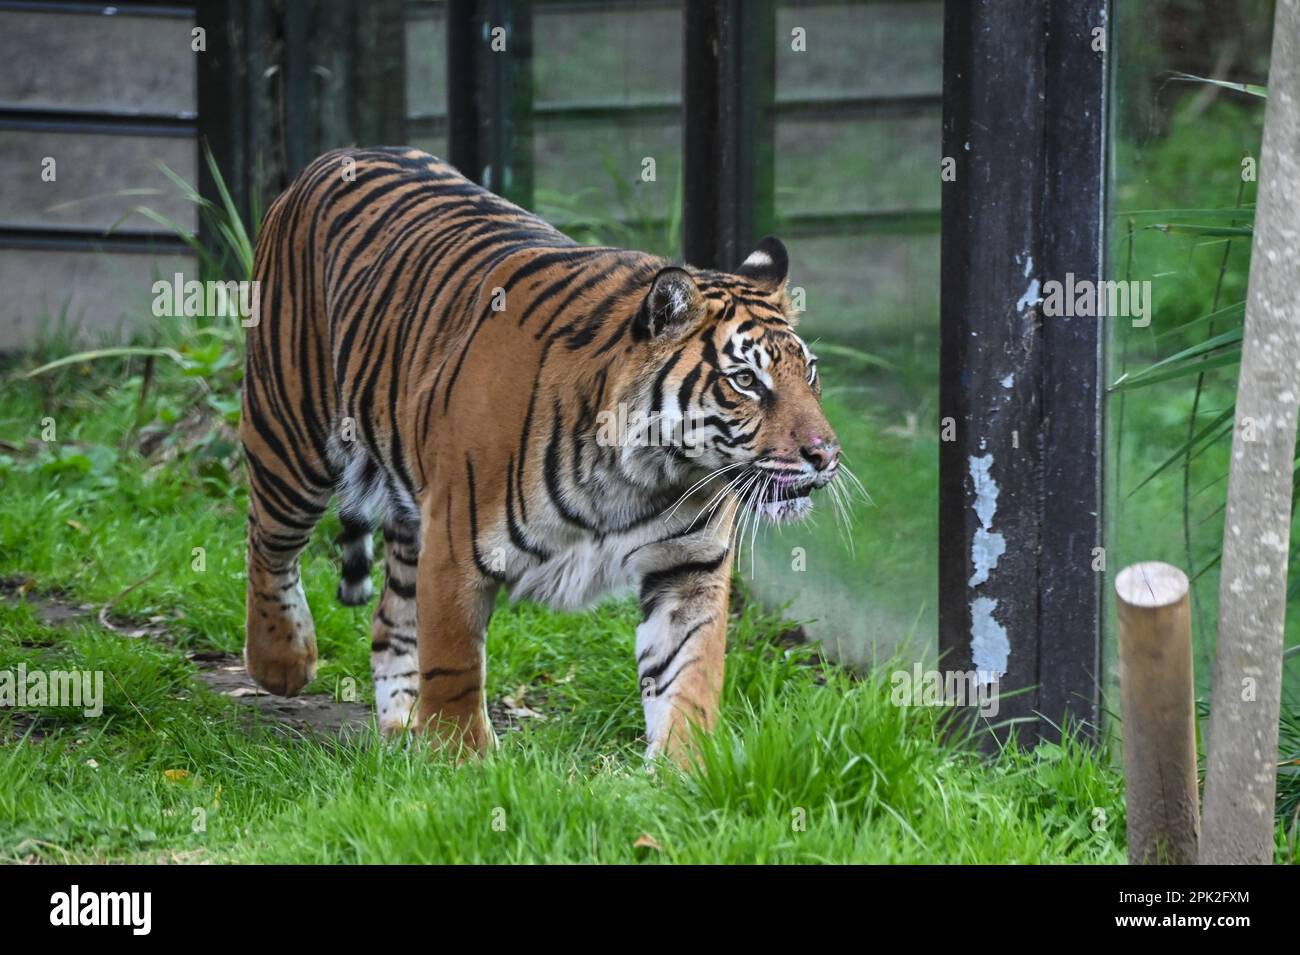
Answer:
(280, 638)
(680, 648)
(393, 658)
(358, 546)
(454, 614)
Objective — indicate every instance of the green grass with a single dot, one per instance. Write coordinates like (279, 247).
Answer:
(809, 765)
(801, 772)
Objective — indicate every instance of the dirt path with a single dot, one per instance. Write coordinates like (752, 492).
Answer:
(312, 714)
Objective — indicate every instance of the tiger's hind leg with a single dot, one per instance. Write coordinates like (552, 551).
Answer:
(280, 638)
(393, 661)
(357, 543)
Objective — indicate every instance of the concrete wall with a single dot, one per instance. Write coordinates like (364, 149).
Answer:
(69, 89)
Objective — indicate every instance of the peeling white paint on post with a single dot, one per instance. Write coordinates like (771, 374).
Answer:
(1033, 295)
(986, 545)
(990, 646)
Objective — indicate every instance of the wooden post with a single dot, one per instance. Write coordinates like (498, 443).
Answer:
(1158, 696)
(1241, 760)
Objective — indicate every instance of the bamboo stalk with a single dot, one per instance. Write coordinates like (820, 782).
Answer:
(1241, 759)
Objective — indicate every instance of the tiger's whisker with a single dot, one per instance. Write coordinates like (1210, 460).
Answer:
(698, 484)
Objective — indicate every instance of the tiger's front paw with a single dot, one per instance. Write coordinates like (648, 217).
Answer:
(677, 738)
(395, 714)
(280, 639)
(469, 735)
(283, 670)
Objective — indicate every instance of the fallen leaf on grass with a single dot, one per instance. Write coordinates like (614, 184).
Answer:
(516, 707)
(524, 713)
(176, 775)
(647, 841)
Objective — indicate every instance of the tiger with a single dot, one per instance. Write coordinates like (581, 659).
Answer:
(516, 410)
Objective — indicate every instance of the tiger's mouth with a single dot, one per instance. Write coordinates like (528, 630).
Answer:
(783, 503)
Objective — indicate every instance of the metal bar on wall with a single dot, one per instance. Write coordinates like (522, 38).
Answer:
(95, 122)
(1020, 463)
(90, 240)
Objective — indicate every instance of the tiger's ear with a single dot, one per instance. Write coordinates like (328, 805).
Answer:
(767, 265)
(672, 306)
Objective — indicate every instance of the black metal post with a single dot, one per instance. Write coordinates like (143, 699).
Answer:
(729, 64)
(236, 105)
(464, 41)
(296, 108)
(266, 108)
(506, 98)
(1020, 506)
(490, 94)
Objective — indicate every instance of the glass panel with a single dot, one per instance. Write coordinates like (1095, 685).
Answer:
(99, 180)
(104, 63)
(860, 49)
(1182, 146)
(827, 165)
(607, 124)
(857, 124)
(426, 76)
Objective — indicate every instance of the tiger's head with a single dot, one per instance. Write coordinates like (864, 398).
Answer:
(733, 388)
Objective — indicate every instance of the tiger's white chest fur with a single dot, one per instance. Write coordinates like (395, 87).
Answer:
(585, 567)
(577, 576)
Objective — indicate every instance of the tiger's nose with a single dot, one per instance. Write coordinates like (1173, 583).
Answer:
(821, 454)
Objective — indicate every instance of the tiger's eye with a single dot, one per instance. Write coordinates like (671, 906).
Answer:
(743, 379)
